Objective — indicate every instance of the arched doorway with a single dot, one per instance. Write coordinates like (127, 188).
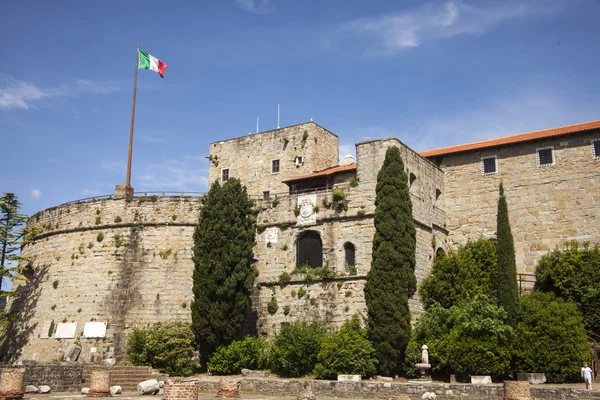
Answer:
(309, 250)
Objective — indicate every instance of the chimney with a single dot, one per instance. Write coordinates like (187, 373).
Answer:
(348, 159)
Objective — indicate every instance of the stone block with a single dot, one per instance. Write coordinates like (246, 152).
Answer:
(348, 378)
(85, 390)
(255, 374)
(229, 388)
(116, 390)
(148, 387)
(481, 379)
(429, 395)
(72, 352)
(45, 389)
(31, 389)
(532, 377)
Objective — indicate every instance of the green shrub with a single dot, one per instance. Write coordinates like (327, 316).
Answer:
(550, 338)
(347, 351)
(573, 274)
(118, 219)
(339, 201)
(272, 305)
(472, 338)
(284, 278)
(295, 349)
(461, 275)
(353, 182)
(250, 352)
(168, 347)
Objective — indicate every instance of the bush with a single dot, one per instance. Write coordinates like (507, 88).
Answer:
(250, 352)
(339, 201)
(295, 349)
(550, 338)
(348, 351)
(574, 275)
(168, 347)
(462, 275)
(473, 338)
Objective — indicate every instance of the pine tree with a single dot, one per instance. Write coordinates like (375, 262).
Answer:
(11, 233)
(507, 290)
(223, 272)
(391, 280)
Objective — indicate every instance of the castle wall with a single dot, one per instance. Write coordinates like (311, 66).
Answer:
(547, 205)
(248, 158)
(333, 301)
(124, 263)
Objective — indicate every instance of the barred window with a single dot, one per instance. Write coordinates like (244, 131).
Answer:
(488, 165)
(225, 175)
(545, 156)
(275, 166)
(596, 145)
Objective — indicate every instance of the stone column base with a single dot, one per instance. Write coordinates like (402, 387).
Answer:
(123, 192)
(517, 390)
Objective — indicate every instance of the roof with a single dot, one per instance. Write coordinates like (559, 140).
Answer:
(325, 172)
(523, 137)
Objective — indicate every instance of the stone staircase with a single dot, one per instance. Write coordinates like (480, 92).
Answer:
(125, 376)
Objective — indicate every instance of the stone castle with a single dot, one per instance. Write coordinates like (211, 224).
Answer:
(103, 266)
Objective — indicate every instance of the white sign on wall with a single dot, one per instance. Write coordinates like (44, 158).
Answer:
(94, 329)
(45, 330)
(271, 235)
(65, 330)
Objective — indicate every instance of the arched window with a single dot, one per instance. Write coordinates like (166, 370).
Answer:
(349, 252)
(309, 250)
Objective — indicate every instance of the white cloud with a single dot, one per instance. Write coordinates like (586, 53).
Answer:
(186, 174)
(36, 193)
(256, 6)
(116, 166)
(52, 160)
(17, 94)
(397, 31)
(149, 138)
(527, 110)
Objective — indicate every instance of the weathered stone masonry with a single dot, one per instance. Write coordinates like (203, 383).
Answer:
(128, 262)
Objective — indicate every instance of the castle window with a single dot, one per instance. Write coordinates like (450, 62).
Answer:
(275, 166)
(412, 178)
(309, 250)
(489, 165)
(349, 252)
(596, 148)
(545, 156)
(299, 161)
(225, 175)
(266, 195)
(438, 193)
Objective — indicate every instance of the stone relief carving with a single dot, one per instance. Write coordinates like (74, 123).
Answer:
(306, 204)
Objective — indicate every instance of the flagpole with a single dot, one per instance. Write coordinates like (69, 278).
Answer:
(128, 180)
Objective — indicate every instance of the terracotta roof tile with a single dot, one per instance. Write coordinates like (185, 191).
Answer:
(325, 172)
(523, 137)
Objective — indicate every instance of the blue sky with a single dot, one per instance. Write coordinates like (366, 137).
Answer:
(430, 73)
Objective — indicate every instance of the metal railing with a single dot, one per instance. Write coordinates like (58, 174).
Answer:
(135, 194)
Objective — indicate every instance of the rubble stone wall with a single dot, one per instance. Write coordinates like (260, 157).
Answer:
(547, 205)
(126, 263)
(249, 158)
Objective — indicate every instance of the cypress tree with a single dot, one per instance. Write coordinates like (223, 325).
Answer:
(391, 280)
(223, 271)
(507, 290)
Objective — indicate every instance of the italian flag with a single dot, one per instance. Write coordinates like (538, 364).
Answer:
(146, 61)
